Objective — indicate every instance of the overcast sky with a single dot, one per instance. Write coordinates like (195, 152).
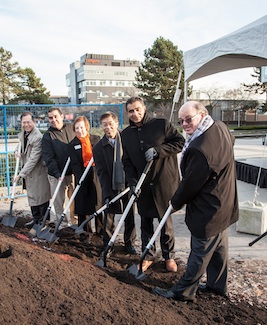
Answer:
(48, 35)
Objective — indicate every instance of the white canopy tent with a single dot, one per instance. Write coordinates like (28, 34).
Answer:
(246, 47)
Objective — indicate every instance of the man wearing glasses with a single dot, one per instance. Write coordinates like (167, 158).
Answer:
(208, 189)
(33, 171)
(107, 156)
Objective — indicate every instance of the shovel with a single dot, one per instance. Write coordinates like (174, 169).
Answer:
(51, 237)
(79, 230)
(103, 260)
(136, 270)
(39, 230)
(11, 220)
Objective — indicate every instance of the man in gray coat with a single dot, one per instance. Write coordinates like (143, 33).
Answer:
(147, 139)
(33, 172)
(208, 189)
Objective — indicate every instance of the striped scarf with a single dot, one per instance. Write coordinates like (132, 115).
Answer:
(203, 126)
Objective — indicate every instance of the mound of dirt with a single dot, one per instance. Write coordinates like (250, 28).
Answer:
(58, 283)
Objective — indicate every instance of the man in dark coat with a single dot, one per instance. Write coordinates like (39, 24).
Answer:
(55, 154)
(107, 156)
(147, 139)
(208, 188)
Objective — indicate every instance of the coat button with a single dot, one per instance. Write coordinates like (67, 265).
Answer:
(151, 184)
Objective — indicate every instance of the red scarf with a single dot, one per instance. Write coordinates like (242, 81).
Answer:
(87, 153)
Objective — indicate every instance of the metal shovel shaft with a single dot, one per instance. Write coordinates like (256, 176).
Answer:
(11, 220)
(125, 213)
(54, 237)
(139, 272)
(41, 230)
(80, 229)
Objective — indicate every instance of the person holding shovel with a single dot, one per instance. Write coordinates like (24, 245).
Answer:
(33, 171)
(80, 151)
(107, 155)
(55, 154)
(144, 140)
(208, 189)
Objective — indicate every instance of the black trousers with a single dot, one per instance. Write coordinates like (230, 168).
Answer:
(129, 228)
(38, 211)
(167, 239)
(207, 255)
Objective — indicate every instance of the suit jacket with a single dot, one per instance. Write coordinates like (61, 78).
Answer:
(103, 153)
(33, 169)
(208, 187)
(163, 178)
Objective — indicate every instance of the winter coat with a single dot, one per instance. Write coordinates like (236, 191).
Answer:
(103, 153)
(208, 186)
(163, 178)
(33, 169)
(86, 198)
(55, 149)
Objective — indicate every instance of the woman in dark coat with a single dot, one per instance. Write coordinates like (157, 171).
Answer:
(80, 151)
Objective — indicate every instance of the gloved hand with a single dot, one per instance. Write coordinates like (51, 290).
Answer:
(132, 192)
(107, 202)
(151, 154)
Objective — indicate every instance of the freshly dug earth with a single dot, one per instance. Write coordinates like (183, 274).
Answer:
(58, 283)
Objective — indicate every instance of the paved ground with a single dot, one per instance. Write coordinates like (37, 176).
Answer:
(238, 242)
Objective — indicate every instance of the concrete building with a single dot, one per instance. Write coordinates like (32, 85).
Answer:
(99, 78)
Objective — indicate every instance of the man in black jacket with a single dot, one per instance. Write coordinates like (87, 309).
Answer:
(55, 154)
(147, 139)
(208, 189)
(107, 156)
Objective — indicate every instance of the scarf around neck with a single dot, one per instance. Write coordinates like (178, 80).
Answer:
(118, 175)
(87, 153)
(203, 126)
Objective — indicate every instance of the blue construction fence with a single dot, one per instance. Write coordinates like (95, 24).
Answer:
(10, 127)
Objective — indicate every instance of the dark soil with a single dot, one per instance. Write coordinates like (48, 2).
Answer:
(58, 283)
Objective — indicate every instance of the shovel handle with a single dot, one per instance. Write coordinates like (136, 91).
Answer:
(153, 238)
(103, 208)
(59, 182)
(16, 172)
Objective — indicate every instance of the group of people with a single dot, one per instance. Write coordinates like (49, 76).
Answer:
(207, 186)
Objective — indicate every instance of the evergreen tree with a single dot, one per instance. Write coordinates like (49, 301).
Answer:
(10, 73)
(32, 91)
(157, 75)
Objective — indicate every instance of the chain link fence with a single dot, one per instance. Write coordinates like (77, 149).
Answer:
(10, 127)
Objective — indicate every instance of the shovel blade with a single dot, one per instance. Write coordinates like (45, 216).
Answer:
(35, 230)
(9, 221)
(43, 233)
(138, 274)
(101, 263)
(50, 236)
(79, 230)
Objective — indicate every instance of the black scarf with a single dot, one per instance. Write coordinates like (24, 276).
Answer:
(118, 175)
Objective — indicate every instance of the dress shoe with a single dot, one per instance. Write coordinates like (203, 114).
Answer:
(171, 295)
(30, 224)
(131, 250)
(206, 289)
(145, 265)
(171, 266)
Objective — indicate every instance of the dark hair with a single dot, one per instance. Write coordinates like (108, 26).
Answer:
(109, 114)
(134, 99)
(26, 113)
(84, 119)
(52, 109)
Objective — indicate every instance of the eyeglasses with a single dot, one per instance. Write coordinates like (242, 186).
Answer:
(187, 120)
